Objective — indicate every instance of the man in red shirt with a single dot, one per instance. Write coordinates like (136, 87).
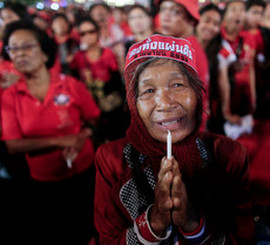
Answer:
(178, 18)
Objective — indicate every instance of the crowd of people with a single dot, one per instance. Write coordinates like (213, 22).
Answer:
(87, 97)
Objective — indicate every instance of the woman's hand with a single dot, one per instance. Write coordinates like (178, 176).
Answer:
(183, 215)
(75, 141)
(160, 215)
(233, 119)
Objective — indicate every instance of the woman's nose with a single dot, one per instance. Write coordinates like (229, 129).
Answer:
(165, 100)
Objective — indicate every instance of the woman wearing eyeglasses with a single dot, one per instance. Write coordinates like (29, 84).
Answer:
(11, 11)
(97, 68)
(43, 116)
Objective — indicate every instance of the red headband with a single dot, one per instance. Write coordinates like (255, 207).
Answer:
(164, 47)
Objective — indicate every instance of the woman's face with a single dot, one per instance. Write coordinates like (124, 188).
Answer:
(166, 101)
(209, 25)
(60, 26)
(8, 16)
(139, 21)
(25, 52)
(254, 16)
(173, 19)
(88, 34)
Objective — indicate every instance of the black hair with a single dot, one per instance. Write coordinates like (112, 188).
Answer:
(102, 4)
(63, 16)
(210, 7)
(90, 20)
(252, 3)
(47, 44)
(228, 2)
(19, 9)
(138, 6)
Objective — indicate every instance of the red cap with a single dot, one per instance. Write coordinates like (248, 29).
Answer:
(192, 6)
(164, 47)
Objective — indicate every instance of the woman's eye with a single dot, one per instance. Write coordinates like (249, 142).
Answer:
(149, 91)
(177, 85)
(146, 92)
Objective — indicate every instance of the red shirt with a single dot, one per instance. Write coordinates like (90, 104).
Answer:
(101, 69)
(246, 56)
(65, 106)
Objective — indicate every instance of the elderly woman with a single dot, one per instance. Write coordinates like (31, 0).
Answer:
(47, 116)
(197, 196)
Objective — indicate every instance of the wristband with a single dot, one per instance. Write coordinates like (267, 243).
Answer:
(144, 232)
(199, 235)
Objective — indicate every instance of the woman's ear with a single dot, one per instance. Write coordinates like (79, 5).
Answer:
(45, 58)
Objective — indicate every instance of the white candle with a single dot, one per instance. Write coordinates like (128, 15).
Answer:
(69, 162)
(169, 145)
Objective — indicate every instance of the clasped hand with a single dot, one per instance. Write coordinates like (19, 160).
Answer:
(171, 204)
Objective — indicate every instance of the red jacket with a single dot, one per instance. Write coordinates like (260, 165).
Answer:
(221, 190)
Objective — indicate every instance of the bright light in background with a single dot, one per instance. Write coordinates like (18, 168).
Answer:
(2, 5)
(40, 5)
(55, 6)
(63, 3)
(120, 3)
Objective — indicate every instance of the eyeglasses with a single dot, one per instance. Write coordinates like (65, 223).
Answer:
(25, 47)
(83, 33)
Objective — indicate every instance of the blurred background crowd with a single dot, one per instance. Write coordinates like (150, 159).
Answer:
(63, 94)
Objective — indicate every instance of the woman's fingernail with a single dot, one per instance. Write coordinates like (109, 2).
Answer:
(166, 163)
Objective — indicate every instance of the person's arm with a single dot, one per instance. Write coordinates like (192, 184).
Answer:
(112, 225)
(232, 160)
(252, 82)
(33, 144)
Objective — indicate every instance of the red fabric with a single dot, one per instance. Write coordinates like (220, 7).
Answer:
(125, 27)
(7, 67)
(241, 103)
(257, 37)
(101, 69)
(144, 230)
(259, 163)
(249, 46)
(192, 7)
(178, 49)
(113, 220)
(203, 73)
(24, 116)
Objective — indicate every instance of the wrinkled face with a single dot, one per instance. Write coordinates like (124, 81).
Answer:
(139, 21)
(209, 25)
(235, 15)
(254, 16)
(88, 34)
(166, 101)
(8, 16)
(26, 53)
(173, 19)
(60, 26)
